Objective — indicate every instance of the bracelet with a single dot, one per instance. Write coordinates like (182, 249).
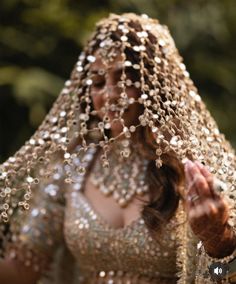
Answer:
(221, 259)
(225, 259)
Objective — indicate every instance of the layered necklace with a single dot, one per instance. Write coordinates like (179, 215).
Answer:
(126, 175)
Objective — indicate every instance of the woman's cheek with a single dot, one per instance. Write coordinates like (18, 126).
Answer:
(97, 102)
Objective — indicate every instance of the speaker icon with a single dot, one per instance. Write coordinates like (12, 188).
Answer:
(218, 270)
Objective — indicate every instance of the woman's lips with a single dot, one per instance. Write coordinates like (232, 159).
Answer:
(116, 113)
(112, 113)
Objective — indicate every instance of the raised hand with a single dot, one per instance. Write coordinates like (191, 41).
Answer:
(206, 209)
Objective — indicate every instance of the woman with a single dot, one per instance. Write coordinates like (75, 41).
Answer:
(122, 178)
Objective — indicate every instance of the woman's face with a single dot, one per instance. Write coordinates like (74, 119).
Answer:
(106, 94)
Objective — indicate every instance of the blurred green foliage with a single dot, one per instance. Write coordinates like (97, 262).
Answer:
(41, 40)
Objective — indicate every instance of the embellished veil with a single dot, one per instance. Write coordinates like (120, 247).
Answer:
(173, 119)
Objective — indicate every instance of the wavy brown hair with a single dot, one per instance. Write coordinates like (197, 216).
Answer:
(165, 183)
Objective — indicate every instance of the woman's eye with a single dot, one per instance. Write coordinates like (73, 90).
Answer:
(98, 81)
(99, 84)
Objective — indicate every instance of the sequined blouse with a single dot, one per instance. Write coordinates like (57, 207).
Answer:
(103, 254)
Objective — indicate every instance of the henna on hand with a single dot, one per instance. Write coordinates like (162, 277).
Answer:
(221, 245)
(208, 212)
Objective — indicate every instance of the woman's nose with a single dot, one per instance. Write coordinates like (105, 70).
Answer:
(112, 94)
(112, 90)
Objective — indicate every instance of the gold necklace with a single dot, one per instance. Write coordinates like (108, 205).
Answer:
(125, 176)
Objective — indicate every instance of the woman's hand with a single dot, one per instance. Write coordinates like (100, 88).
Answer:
(207, 211)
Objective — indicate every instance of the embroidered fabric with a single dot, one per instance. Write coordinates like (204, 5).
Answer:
(102, 253)
(126, 254)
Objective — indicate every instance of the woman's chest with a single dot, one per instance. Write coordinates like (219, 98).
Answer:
(109, 210)
(97, 245)
(104, 237)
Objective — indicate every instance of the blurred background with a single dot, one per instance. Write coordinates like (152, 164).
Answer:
(41, 40)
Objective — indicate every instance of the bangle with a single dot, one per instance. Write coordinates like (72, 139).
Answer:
(216, 259)
(225, 259)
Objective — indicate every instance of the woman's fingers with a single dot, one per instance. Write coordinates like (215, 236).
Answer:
(191, 191)
(196, 181)
(209, 178)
